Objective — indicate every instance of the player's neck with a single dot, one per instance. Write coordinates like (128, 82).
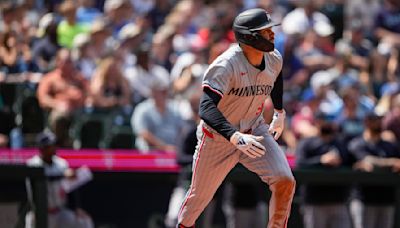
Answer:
(253, 55)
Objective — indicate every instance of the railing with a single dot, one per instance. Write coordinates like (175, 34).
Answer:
(19, 173)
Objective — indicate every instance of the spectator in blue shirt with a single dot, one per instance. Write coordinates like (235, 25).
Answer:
(155, 122)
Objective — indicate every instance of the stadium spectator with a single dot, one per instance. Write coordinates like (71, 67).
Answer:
(118, 13)
(356, 46)
(62, 91)
(56, 169)
(304, 17)
(319, 97)
(130, 38)
(100, 37)
(162, 50)
(371, 153)
(12, 15)
(391, 121)
(69, 27)
(316, 49)
(84, 55)
(324, 205)
(158, 13)
(387, 33)
(87, 13)
(155, 121)
(141, 77)
(45, 49)
(109, 87)
(351, 117)
(364, 11)
(15, 54)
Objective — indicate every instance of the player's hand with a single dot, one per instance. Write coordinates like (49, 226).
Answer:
(364, 165)
(332, 158)
(277, 124)
(248, 144)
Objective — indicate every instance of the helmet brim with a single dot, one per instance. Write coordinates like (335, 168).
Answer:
(267, 25)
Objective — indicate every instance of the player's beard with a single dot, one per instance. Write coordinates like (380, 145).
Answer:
(263, 44)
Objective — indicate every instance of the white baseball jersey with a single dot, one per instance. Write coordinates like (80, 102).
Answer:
(58, 214)
(243, 87)
(56, 196)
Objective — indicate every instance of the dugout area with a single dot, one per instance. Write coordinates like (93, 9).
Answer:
(140, 199)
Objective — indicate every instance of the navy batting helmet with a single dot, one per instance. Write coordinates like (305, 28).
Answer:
(247, 24)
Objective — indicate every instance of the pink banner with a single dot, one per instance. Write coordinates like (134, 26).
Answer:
(102, 160)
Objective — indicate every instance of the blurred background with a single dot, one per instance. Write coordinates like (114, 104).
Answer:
(114, 86)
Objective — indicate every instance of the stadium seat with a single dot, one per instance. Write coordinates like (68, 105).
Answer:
(120, 137)
(87, 130)
(29, 116)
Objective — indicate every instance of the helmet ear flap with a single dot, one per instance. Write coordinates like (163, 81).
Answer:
(257, 36)
(249, 37)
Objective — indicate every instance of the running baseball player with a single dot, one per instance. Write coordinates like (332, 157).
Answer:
(233, 130)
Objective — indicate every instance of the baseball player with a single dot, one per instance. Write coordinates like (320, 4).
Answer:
(232, 128)
(59, 216)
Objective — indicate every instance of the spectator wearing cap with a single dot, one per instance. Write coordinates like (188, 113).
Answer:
(100, 37)
(315, 45)
(69, 27)
(315, 50)
(318, 97)
(86, 12)
(142, 7)
(56, 169)
(355, 46)
(324, 206)
(387, 33)
(118, 13)
(63, 92)
(129, 38)
(162, 47)
(364, 11)
(321, 86)
(304, 17)
(84, 55)
(45, 49)
(156, 121)
(142, 75)
(371, 153)
(352, 114)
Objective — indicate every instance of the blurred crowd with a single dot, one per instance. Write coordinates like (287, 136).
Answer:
(140, 62)
(127, 74)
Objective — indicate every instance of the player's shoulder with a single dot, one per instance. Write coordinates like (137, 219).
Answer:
(274, 58)
(275, 54)
(35, 161)
(59, 160)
